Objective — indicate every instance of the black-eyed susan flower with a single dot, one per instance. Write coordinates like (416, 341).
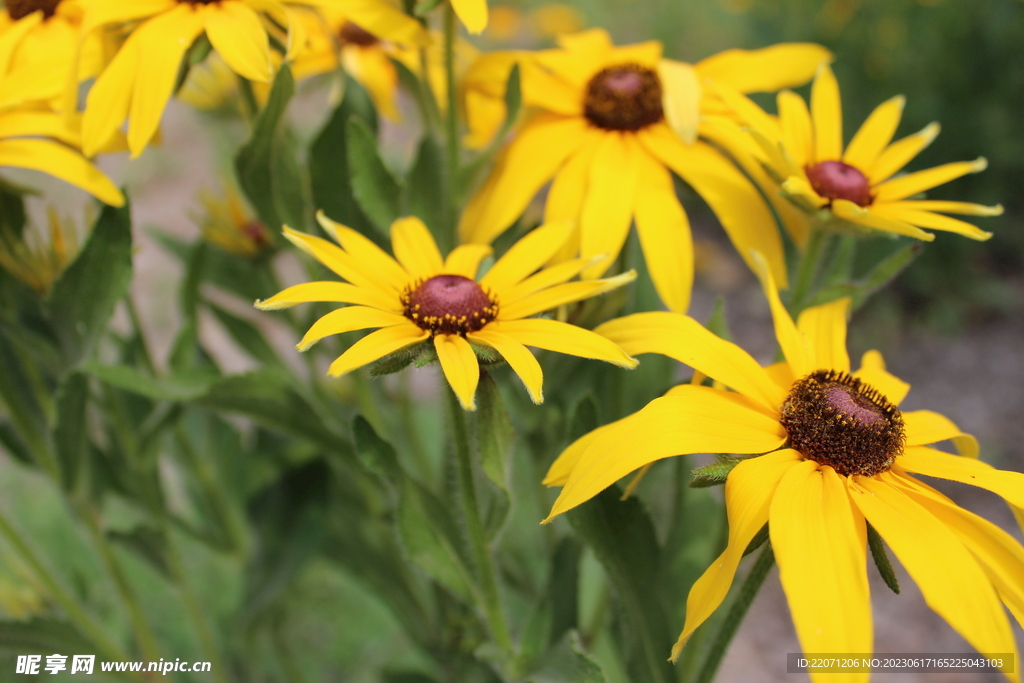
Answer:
(38, 139)
(36, 260)
(227, 223)
(838, 454)
(420, 297)
(803, 150)
(140, 79)
(610, 125)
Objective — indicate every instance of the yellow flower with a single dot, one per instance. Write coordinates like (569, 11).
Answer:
(421, 296)
(36, 262)
(472, 14)
(227, 224)
(838, 452)
(610, 125)
(141, 78)
(41, 140)
(803, 150)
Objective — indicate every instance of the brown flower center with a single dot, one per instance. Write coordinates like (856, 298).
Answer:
(22, 8)
(198, 2)
(354, 34)
(624, 97)
(449, 304)
(837, 420)
(836, 180)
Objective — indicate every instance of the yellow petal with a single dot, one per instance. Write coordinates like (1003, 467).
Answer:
(872, 370)
(334, 292)
(383, 19)
(665, 238)
(101, 13)
(952, 582)
(460, 366)
(61, 162)
(926, 427)
(12, 36)
(375, 71)
(693, 420)
(346, 320)
(819, 540)
(553, 335)
(106, 106)
(793, 343)
(237, 34)
(687, 341)
(565, 198)
(749, 112)
(926, 219)
(472, 13)
(162, 43)
(342, 263)
(824, 328)
(873, 219)
(784, 65)
(562, 467)
(566, 293)
(875, 134)
(376, 345)
(526, 255)
(933, 463)
(549, 277)
(608, 207)
(799, 187)
(465, 259)
(797, 131)
(827, 114)
(415, 248)
(370, 257)
(942, 206)
(519, 358)
(911, 184)
(681, 98)
(898, 154)
(748, 494)
(544, 89)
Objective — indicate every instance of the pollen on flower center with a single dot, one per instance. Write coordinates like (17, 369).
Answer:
(449, 304)
(22, 8)
(624, 97)
(836, 180)
(837, 420)
(354, 34)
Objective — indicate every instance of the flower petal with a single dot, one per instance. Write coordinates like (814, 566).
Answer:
(110, 97)
(824, 328)
(472, 13)
(415, 248)
(873, 219)
(927, 219)
(608, 207)
(819, 539)
(334, 292)
(460, 366)
(371, 257)
(772, 68)
(236, 32)
(872, 370)
(875, 134)
(912, 183)
(346, 320)
(549, 277)
(693, 420)
(519, 358)
(568, 189)
(925, 427)
(748, 495)
(793, 343)
(553, 335)
(898, 154)
(942, 206)
(687, 341)
(665, 238)
(680, 84)
(559, 295)
(465, 260)
(526, 255)
(342, 263)
(933, 463)
(376, 345)
(60, 162)
(383, 19)
(565, 463)
(797, 130)
(827, 114)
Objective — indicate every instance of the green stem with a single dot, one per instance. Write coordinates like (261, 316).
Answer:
(807, 269)
(477, 539)
(213, 491)
(748, 591)
(133, 313)
(425, 96)
(452, 132)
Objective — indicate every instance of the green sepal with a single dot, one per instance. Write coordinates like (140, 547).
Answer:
(881, 558)
(399, 360)
(714, 474)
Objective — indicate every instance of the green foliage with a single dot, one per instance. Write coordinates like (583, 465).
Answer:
(378, 193)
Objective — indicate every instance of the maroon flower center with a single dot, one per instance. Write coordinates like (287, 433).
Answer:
(22, 8)
(836, 180)
(354, 34)
(623, 97)
(835, 419)
(449, 304)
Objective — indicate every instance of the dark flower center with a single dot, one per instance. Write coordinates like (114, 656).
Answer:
(837, 420)
(836, 180)
(624, 97)
(22, 8)
(354, 34)
(449, 304)
(198, 2)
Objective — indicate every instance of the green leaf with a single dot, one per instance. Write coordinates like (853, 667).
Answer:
(328, 159)
(147, 542)
(246, 335)
(714, 474)
(183, 386)
(70, 431)
(84, 297)
(424, 188)
(13, 443)
(886, 271)
(377, 192)
(40, 635)
(584, 419)
(717, 322)
(268, 172)
(881, 558)
(568, 662)
(376, 454)
(12, 212)
(494, 432)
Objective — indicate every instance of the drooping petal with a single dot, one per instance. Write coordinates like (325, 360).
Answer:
(827, 114)
(236, 32)
(693, 420)
(553, 335)
(933, 463)
(926, 427)
(562, 467)
(950, 578)
(346, 320)
(665, 238)
(334, 292)
(873, 219)
(687, 341)
(519, 358)
(364, 251)
(748, 495)
(465, 259)
(566, 293)
(376, 345)
(912, 183)
(819, 540)
(898, 154)
(526, 255)
(415, 248)
(872, 370)
(60, 162)
(908, 214)
(824, 328)
(341, 262)
(608, 207)
(460, 366)
(783, 65)
(875, 134)
(794, 345)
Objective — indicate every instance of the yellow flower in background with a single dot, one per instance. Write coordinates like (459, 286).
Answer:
(610, 125)
(227, 223)
(140, 79)
(423, 297)
(38, 139)
(554, 19)
(838, 453)
(472, 14)
(803, 150)
(36, 261)
(38, 41)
